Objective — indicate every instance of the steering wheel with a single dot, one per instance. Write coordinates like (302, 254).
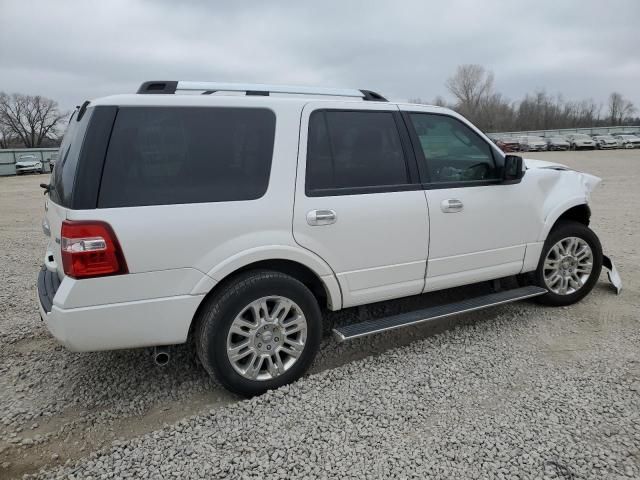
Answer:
(473, 172)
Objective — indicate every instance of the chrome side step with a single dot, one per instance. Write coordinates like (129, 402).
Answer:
(369, 327)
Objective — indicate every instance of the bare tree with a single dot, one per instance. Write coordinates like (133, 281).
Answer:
(619, 108)
(475, 98)
(31, 119)
(470, 85)
(439, 101)
(6, 136)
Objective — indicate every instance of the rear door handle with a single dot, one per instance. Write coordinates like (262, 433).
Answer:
(451, 205)
(321, 217)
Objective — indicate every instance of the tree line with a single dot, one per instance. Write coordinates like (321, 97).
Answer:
(472, 87)
(34, 121)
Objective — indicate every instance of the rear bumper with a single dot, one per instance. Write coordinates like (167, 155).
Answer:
(144, 323)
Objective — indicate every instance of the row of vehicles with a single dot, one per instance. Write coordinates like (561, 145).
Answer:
(576, 141)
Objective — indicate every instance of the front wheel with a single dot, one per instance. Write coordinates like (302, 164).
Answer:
(261, 331)
(570, 264)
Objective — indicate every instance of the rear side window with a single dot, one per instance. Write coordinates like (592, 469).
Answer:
(171, 155)
(64, 171)
(350, 150)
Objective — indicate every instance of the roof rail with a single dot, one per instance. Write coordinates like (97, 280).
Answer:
(207, 88)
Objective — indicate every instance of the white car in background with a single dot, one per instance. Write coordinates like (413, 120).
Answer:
(627, 141)
(28, 163)
(532, 144)
(605, 141)
(579, 141)
(236, 222)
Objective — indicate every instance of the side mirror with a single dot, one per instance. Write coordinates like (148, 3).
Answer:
(513, 168)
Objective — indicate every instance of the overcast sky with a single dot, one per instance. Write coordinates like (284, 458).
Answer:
(74, 50)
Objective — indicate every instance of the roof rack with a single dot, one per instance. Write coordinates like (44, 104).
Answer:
(207, 88)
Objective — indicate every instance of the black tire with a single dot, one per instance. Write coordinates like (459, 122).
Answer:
(218, 313)
(566, 229)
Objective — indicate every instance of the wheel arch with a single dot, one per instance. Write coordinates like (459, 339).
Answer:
(577, 210)
(325, 289)
(299, 263)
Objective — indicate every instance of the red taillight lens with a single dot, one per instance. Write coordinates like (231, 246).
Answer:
(90, 249)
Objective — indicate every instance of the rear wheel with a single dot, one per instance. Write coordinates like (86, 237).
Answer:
(570, 264)
(260, 332)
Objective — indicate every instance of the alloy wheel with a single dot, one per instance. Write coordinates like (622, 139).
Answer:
(568, 265)
(266, 338)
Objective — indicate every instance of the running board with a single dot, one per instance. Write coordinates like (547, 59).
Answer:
(377, 325)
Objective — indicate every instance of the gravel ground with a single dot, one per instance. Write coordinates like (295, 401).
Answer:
(518, 391)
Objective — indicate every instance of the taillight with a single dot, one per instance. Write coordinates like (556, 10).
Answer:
(90, 249)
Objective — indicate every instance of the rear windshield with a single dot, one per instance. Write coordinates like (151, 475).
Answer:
(170, 155)
(64, 171)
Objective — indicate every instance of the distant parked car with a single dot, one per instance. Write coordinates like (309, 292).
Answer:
(532, 144)
(580, 141)
(627, 141)
(508, 144)
(557, 143)
(605, 141)
(28, 164)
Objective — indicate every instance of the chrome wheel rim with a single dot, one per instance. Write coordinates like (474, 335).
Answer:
(568, 266)
(266, 338)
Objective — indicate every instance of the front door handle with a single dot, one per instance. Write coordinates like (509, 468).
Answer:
(321, 217)
(451, 205)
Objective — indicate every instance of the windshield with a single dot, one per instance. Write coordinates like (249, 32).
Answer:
(535, 139)
(582, 137)
(558, 139)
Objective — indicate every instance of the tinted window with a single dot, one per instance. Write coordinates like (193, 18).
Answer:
(168, 155)
(349, 150)
(64, 171)
(453, 151)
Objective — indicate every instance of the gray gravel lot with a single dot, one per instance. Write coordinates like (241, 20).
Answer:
(519, 391)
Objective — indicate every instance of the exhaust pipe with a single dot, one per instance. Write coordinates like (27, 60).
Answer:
(161, 355)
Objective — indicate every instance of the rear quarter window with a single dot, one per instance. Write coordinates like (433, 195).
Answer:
(172, 155)
(64, 171)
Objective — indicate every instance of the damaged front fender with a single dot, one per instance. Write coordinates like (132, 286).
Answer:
(612, 273)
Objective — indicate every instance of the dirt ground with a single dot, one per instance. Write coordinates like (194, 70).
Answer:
(59, 406)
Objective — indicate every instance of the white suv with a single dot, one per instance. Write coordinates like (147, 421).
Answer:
(235, 220)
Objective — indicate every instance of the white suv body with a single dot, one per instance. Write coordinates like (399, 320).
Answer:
(419, 227)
